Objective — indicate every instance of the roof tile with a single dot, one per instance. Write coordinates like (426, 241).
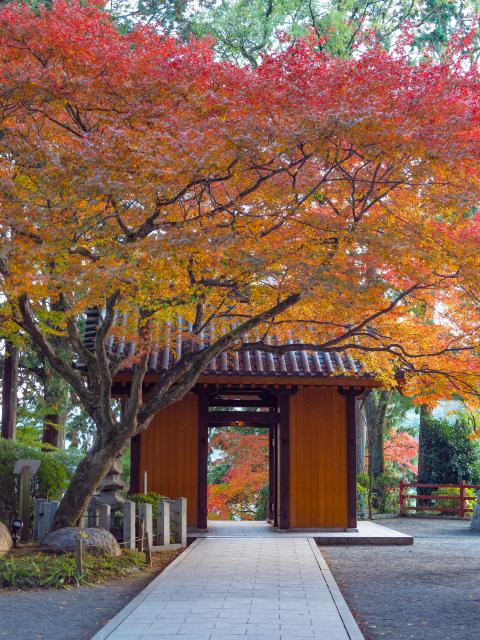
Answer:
(164, 353)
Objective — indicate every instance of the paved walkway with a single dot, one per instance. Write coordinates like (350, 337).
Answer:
(366, 533)
(223, 588)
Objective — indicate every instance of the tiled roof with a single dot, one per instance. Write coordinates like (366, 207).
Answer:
(256, 362)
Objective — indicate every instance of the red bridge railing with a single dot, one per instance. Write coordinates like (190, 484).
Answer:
(461, 502)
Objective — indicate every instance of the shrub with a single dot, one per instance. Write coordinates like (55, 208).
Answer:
(453, 504)
(386, 485)
(51, 480)
(449, 452)
(362, 485)
(151, 497)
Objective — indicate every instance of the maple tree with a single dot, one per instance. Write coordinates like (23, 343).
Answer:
(401, 448)
(329, 199)
(242, 459)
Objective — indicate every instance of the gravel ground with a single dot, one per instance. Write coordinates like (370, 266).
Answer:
(428, 591)
(67, 614)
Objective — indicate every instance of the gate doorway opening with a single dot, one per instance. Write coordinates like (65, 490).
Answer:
(238, 473)
(226, 417)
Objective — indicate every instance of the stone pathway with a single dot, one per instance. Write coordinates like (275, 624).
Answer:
(223, 588)
(366, 533)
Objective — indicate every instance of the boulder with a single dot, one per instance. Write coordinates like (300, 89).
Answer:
(96, 541)
(5, 539)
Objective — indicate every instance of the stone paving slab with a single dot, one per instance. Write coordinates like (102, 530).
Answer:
(225, 588)
(367, 532)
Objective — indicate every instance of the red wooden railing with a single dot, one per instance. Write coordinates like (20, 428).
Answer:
(463, 509)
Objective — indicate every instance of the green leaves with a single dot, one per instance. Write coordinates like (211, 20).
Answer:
(449, 452)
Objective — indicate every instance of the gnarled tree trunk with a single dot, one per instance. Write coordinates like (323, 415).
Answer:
(89, 474)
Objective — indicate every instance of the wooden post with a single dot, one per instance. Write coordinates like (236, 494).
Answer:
(271, 473)
(148, 547)
(275, 475)
(461, 509)
(25, 478)
(282, 457)
(9, 392)
(351, 426)
(79, 555)
(352, 458)
(284, 461)
(141, 535)
(202, 460)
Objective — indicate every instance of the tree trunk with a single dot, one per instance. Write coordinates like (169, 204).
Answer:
(423, 475)
(51, 437)
(54, 391)
(422, 444)
(9, 391)
(376, 406)
(88, 475)
(361, 435)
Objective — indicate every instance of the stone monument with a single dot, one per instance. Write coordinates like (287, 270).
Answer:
(109, 488)
(475, 521)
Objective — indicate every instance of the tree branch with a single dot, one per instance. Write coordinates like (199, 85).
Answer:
(174, 383)
(72, 376)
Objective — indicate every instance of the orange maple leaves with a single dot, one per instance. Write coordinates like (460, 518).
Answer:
(401, 448)
(238, 495)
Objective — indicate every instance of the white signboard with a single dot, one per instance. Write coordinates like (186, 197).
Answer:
(21, 464)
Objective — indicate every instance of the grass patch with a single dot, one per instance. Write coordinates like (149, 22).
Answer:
(39, 570)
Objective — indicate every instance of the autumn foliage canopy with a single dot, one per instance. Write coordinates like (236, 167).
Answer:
(337, 197)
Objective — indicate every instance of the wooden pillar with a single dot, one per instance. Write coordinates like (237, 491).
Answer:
(9, 391)
(271, 473)
(283, 457)
(351, 426)
(276, 476)
(202, 460)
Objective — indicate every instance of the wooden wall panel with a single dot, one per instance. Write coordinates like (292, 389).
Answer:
(318, 459)
(169, 453)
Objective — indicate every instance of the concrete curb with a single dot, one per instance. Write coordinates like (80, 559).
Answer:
(112, 624)
(349, 622)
